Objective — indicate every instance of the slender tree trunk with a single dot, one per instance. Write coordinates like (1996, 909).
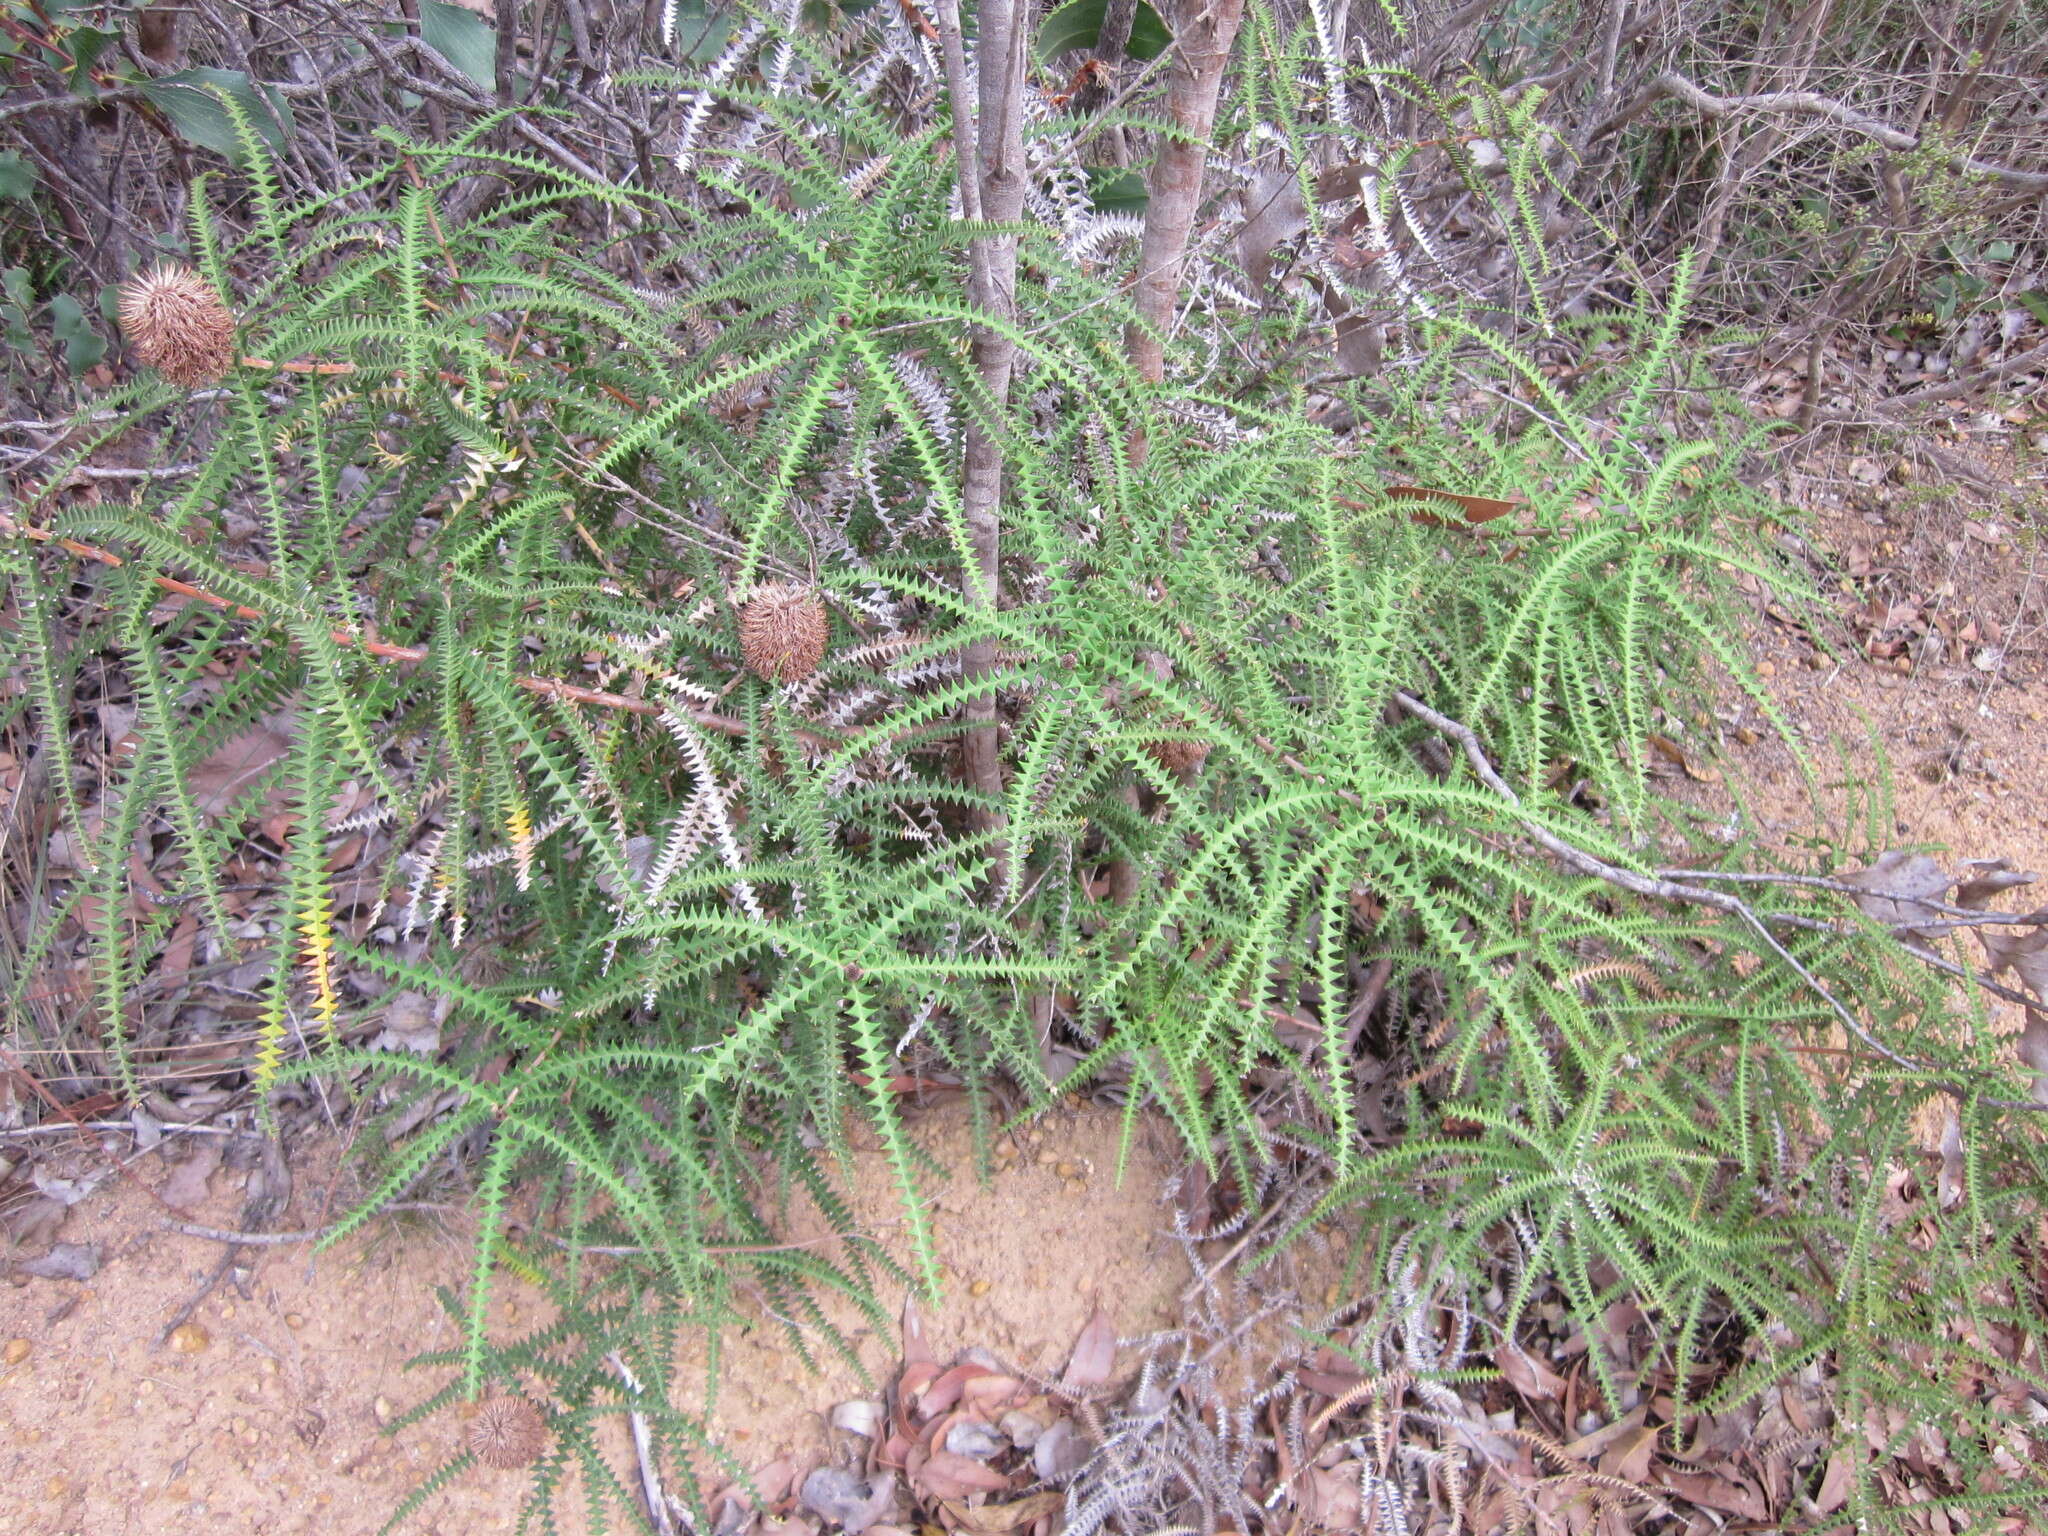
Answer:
(990, 154)
(1202, 35)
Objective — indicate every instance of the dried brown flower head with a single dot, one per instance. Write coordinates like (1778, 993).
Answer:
(1183, 759)
(783, 630)
(507, 1432)
(178, 325)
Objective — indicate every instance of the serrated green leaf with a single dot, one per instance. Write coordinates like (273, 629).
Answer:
(461, 37)
(188, 99)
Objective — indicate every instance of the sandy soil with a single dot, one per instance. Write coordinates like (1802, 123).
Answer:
(274, 1423)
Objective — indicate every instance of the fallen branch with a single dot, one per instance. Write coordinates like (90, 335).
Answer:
(1660, 888)
(1809, 104)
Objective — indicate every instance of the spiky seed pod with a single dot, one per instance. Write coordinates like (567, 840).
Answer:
(508, 1432)
(1183, 759)
(783, 630)
(178, 325)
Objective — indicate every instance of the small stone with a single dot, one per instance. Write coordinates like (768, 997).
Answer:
(1077, 1187)
(190, 1338)
(55, 1488)
(980, 1288)
(268, 1367)
(382, 1408)
(1048, 1157)
(1068, 1170)
(1006, 1147)
(1766, 669)
(17, 1351)
(294, 1320)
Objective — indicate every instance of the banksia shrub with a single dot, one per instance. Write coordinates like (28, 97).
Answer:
(178, 325)
(783, 630)
(508, 1432)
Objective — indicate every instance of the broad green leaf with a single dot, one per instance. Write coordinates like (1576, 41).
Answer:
(1078, 23)
(83, 346)
(702, 31)
(461, 37)
(17, 177)
(1113, 189)
(189, 100)
(82, 47)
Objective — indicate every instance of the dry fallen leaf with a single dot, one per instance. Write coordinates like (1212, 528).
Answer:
(846, 1500)
(1526, 1374)
(2034, 1051)
(1094, 1353)
(1670, 750)
(996, 1519)
(65, 1261)
(185, 1188)
(1907, 881)
(225, 775)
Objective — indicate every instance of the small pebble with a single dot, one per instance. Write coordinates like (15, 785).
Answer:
(1077, 1186)
(17, 1351)
(293, 1320)
(190, 1338)
(55, 1487)
(1048, 1157)
(1068, 1170)
(980, 1288)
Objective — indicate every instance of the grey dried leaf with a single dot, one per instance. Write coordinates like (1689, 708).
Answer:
(1094, 1353)
(412, 1022)
(223, 777)
(2023, 951)
(1060, 1452)
(186, 1186)
(1020, 1429)
(847, 1500)
(973, 1439)
(1992, 877)
(639, 857)
(858, 1416)
(2034, 1051)
(1896, 890)
(66, 1191)
(65, 1261)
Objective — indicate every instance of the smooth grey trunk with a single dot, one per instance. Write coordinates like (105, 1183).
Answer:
(989, 151)
(1202, 39)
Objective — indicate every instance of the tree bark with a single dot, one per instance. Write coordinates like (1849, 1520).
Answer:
(1202, 36)
(989, 152)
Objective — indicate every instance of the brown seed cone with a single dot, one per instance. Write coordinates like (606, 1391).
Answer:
(178, 325)
(508, 1432)
(783, 630)
(1182, 759)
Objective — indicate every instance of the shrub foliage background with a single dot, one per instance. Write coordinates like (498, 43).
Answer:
(517, 446)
